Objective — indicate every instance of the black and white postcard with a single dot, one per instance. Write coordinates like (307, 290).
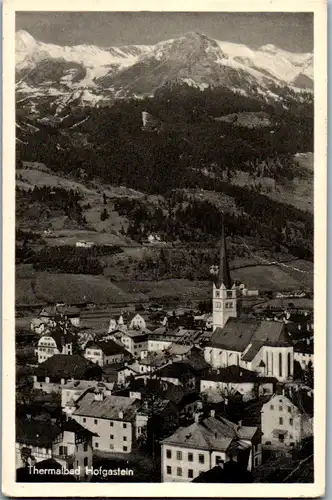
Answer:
(164, 249)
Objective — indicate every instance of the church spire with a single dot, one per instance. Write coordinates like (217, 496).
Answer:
(223, 276)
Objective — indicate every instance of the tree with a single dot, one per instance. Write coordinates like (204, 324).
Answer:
(104, 215)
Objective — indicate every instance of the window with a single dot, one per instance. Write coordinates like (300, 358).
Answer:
(280, 364)
(281, 438)
(95, 421)
(179, 471)
(217, 294)
(111, 436)
(97, 445)
(111, 424)
(289, 409)
(124, 438)
(201, 459)
(179, 455)
(190, 473)
(190, 457)
(219, 460)
(281, 420)
(229, 294)
(290, 421)
(60, 450)
(289, 364)
(280, 408)
(85, 461)
(124, 426)
(111, 446)
(169, 469)
(168, 453)
(291, 436)
(84, 420)
(85, 447)
(271, 407)
(125, 448)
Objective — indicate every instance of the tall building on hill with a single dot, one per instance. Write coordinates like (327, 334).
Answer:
(224, 298)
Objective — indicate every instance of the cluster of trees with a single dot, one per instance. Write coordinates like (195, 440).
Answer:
(256, 216)
(66, 258)
(50, 199)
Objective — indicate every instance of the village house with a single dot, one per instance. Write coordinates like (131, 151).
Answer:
(116, 324)
(135, 322)
(56, 341)
(285, 424)
(150, 363)
(179, 373)
(237, 379)
(133, 341)
(105, 352)
(112, 418)
(119, 373)
(157, 342)
(84, 244)
(206, 443)
(53, 314)
(73, 389)
(69, 443)
(52, 374)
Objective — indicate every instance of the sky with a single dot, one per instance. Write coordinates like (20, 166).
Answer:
(289, 31)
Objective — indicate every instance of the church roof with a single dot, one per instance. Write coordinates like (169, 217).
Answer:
(238, 334)
(223, 276)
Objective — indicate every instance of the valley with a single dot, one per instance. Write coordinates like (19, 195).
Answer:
(174, 139)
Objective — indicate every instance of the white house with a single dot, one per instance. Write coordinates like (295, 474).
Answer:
(136, 322)
(105, 352)
(112, 418)
(283, 422)
(205, 444)
(73, 389)
(57, 341)
(134, 341)
(69, 443)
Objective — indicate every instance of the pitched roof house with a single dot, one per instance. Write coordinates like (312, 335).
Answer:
(206, 443)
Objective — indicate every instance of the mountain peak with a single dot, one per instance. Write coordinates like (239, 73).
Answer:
(24, 40)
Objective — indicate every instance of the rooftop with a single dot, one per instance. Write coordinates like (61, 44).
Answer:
(210, 434)
(238, 334)
(109, 347)
(175, 370)
(110, 407)
(61, 366)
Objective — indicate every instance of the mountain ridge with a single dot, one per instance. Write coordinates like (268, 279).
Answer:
(134, 71)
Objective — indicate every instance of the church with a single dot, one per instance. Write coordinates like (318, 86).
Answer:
(260, 346)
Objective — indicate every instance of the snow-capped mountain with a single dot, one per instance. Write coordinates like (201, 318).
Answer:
(94, 75)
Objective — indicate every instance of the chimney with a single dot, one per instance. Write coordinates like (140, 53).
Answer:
(99, 396)
(120, 415)
(240, 423)
(212, 413)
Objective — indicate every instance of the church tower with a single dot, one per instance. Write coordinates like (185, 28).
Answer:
(224, 290)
